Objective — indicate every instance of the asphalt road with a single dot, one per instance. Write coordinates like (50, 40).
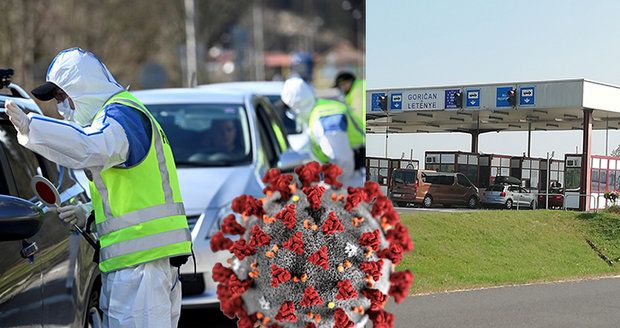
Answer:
(591, 304)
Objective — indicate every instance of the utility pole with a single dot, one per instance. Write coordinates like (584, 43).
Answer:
(259, 41)
(190, 44)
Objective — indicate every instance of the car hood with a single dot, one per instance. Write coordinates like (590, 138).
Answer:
(213, 188)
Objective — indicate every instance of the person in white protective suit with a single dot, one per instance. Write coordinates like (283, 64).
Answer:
(143, 231)
(335, 133)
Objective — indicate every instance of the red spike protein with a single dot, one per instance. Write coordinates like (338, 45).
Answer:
(312, 253)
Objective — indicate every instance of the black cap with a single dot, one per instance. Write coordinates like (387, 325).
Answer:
(344, 76)
(45, 91)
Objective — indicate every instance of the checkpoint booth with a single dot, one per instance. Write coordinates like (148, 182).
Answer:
(481, 169)
(604, 177)
(379, 169)
(456, 162)
(574, 104)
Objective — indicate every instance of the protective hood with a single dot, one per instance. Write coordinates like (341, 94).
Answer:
(299, 96)
(85, 79)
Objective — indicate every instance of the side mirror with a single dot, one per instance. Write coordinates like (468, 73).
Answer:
(289, 160)
(19, 219)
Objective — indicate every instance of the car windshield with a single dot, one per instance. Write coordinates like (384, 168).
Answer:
(288, 118)
(206, 134)
(405, 177)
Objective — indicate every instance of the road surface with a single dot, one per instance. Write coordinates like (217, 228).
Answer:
(589, 303)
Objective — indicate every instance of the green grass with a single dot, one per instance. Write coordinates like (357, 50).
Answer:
(486, 248)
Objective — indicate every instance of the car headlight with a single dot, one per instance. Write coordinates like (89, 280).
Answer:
(216, 222)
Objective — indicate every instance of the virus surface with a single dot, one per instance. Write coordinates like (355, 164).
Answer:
(312, 254)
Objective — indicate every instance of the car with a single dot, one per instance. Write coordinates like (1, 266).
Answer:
(404, 185)
(447, 189)
(508, 196)
(556, 198)
(47, 274)
(223, 142)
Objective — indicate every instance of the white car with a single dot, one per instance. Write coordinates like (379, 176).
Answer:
(223, 142)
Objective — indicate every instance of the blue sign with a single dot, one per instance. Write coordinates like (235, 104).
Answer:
(396, 102)
(473, 98)
(450, 100)
(502, 97)
(375, 104)
(527, 97)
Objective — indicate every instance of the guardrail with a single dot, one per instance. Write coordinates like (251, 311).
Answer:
(597, 199)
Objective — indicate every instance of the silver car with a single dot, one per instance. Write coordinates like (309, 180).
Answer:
(508, 196)
(223, 142)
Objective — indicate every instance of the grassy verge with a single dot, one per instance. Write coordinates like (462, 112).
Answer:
(486, 248)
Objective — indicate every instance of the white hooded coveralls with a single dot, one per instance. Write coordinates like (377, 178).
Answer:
(334, 143)
(147, 295)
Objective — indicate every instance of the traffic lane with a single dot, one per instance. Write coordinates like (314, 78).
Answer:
(590, 303)
(434, 209)
(452, 209)
(208, 317)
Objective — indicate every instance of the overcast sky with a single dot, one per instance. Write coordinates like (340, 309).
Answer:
(424, 43)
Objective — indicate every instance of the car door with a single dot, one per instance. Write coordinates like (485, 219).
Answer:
(20, 279)
(68, 257)
(58, 247)
(268, 149)
(462, 188)
(450, 188)
(514, 194)
(526, 196)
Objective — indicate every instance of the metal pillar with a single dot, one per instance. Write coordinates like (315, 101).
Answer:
(607, 136)
(474, 141)
(529, 138)
(586, 172)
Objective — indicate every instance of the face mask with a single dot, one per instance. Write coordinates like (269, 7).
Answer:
(85, 110)
(65, 109)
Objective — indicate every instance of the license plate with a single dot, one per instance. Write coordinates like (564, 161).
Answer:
(397, 195)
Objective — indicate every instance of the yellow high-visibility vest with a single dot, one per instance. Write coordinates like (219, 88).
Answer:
(326, 107)
(138, 210)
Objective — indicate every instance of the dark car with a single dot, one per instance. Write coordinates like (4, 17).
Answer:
(556, 198)
(47, 273)
(507, 180)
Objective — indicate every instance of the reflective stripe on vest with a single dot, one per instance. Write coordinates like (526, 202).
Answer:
(325, 108)
(150, 228)
(139, 216)
(143, 243)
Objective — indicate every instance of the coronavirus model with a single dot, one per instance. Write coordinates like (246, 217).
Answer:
(311, 254)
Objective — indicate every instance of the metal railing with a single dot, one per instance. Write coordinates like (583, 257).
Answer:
(596, 207)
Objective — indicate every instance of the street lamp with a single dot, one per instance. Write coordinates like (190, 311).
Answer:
(548, 177)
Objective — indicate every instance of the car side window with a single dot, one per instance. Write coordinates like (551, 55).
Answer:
(462, 180)
(513, 189)
(23, 163)
(4, 186)
(267, 139)
(524, 191)
(447, 180)
(277, 127)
